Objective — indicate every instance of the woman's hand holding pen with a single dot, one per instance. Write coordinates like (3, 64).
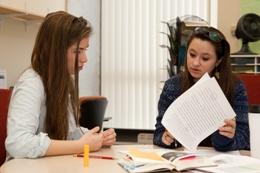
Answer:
(93, 139)
(109, 137)
(229, 129)
(167, 138)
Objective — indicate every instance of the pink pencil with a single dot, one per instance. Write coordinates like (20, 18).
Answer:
(95, 156)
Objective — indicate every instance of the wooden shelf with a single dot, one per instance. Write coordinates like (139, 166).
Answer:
(245, 63)
(19, 15)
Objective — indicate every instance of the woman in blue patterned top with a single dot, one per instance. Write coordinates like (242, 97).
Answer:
(208, 51)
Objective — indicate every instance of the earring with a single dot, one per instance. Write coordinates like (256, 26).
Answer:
(217, 73)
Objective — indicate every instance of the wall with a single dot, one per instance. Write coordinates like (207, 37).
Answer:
(228, 16)
(16, 43)
(17, 40)
(133, 63)
(89, 82)
(17, 37)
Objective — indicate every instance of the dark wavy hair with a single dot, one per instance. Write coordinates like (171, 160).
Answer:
(225, 77)
(57, 33)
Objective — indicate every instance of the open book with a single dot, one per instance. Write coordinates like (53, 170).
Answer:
(155, 160)
(197, 113)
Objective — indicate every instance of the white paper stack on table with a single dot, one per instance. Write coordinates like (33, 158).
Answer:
(233, 164)
(197, 113)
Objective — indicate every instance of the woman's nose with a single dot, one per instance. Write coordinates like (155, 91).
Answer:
(196, 61)
(84, 58)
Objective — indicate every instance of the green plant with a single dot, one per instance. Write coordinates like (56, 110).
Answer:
(173, 46)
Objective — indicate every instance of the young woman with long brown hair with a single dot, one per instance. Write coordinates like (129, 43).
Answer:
(43, 116)
(208, 51)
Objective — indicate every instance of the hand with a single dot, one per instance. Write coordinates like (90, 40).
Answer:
(229, 129)
(109, 137)
(93, 139)
(167, 138)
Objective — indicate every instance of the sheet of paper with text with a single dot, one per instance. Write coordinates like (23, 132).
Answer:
(197, 113)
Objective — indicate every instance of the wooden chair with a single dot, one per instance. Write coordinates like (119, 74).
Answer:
(5, 95)
(252, 84)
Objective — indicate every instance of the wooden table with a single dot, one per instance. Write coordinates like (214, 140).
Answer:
(69, 163)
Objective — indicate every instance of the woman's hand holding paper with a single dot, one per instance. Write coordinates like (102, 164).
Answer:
(229, 128)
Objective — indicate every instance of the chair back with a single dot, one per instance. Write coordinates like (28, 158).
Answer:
(252, 84)
(92, 110)
(4, 103)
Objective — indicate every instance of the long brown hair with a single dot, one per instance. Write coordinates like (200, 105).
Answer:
(223, 71)
(58, 32)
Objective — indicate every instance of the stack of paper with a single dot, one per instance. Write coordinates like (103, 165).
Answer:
(197, 113)
(233, 164)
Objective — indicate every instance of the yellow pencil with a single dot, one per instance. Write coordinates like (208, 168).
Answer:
(86, 155)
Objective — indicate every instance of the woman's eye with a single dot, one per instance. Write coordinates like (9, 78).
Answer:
(205, 58)
(192, 55)
(78, 52)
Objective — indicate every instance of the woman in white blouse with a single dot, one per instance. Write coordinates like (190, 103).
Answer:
(43, 116)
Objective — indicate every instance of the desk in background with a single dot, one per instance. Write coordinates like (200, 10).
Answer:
(69, 164)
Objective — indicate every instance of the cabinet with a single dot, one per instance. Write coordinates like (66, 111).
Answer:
(30, 10)
(43, 7)
(245, 63)
(20, 15)
(19, 5)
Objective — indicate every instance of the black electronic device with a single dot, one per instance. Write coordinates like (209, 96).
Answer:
(248, 29)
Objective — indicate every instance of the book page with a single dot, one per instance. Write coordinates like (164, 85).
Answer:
(150, 155)
(176, 155)
(234, 164)
(197, 113)
(153, 160)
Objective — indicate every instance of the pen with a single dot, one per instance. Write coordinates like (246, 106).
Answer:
(95, 156)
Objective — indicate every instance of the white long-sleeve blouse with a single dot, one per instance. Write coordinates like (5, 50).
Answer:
(26, 137)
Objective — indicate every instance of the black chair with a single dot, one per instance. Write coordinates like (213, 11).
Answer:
(92, 110)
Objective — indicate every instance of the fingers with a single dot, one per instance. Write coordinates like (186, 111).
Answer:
(109, 137)
(95, 129)
(167, 138)
(230, 122)
(108, 142)
(92, 138)
(229, 129)
(169, 134)
(108, 132)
